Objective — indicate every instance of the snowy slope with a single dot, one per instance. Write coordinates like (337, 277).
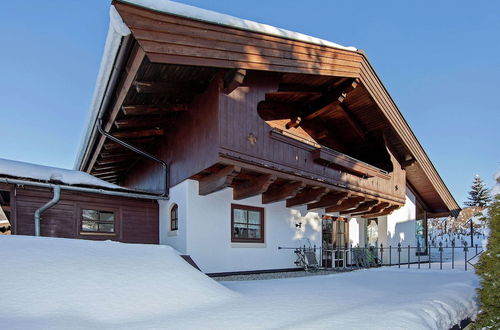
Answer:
(23, 170)
(62, 282)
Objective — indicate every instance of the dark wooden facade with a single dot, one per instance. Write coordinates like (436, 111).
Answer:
(265, 115)
(136, 220)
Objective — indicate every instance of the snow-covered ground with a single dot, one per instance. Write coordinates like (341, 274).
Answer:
(61, 283)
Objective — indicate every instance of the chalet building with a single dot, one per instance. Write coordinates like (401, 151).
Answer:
(260, 137)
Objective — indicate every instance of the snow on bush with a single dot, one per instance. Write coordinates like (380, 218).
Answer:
(65, 280)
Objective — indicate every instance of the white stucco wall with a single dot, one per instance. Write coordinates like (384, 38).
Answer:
(176, 239)
(397, 227)
(205, 233)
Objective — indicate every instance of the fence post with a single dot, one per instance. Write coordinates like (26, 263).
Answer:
(441, 255)
(399, 255)
(418, 254)
(381, 254)
(351, 253)
(453, 254)
(476, 248)
(430, 256)
(409, 249)
(465, 253)
(390, 255)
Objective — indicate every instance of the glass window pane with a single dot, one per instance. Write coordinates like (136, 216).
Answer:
(253, 217)
(90, 214)
(106, 216)
(106, 227)
(239, 215)
(90, 226)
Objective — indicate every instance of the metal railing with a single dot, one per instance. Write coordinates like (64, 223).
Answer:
(349, 257)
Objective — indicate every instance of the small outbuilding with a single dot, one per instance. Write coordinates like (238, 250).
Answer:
(74, 204)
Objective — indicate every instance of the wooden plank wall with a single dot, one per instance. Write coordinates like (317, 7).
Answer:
(177, 40)
(292, 157)
(137, 220)
(188, 148)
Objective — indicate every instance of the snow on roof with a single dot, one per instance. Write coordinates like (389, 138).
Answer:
(118, 29)
(30, 171)
(60, 283)
(192, 12)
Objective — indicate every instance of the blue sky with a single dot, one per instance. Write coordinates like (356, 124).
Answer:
(439, 60)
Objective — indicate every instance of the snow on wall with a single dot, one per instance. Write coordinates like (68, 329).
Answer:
(23, 170)
(206, 223)
(56, 281)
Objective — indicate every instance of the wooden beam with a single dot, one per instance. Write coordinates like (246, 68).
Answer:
(218, 180)
(308, 195)
(6, 208)
(346, 204)
(294, 123)
(375, 209)
(136, 58)
(106, 154)
(253, 187)
(386, 211)
(136, 142)
(282, 192)
(140, 123)
(330, 101)
(144, 110)
(331, 199)
(269, 110)
(165, 87)
(233, 80)
(355, 125)
(113, 160)
(365, 206)
(138, 134)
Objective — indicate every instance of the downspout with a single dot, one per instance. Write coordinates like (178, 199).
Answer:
(52, 202)
(140, 152)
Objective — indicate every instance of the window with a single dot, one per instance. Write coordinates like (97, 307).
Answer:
(174, 218)
(94, 221)
(421, 229)
(247, 224)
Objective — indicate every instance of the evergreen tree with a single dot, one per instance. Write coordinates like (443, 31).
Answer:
(488, 269)
(478, 195)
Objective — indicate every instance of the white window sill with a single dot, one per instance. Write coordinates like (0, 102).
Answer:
(248, 245)
(172, 233)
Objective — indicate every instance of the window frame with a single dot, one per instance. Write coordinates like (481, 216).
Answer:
(175, 207)
(99, 208)
(260, 210)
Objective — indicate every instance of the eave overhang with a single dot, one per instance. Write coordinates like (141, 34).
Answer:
(253, 50)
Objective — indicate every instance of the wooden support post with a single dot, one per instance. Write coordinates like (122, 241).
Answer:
(253, 187)
(281, 192)
(218, 180)
(309, 195)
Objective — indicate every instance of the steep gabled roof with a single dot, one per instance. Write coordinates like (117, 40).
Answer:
(256, 47)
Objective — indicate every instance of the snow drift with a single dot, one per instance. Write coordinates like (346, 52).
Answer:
(24, 170)
(54, 281)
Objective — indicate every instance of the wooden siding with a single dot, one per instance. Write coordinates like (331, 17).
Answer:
(136, 221)
(177, 40)
(239, 122)
(189, 147)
